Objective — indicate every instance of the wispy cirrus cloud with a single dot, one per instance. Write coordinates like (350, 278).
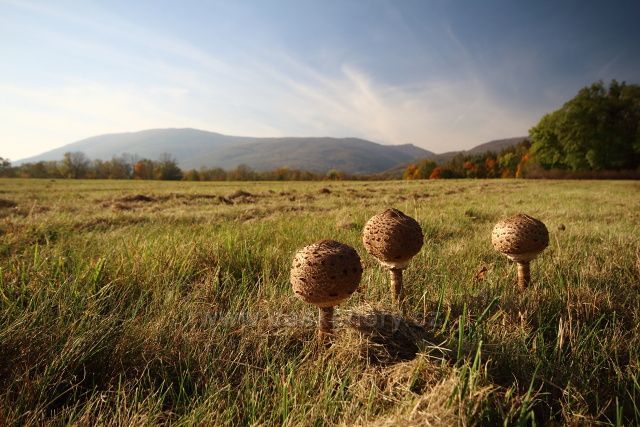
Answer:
(132, 78)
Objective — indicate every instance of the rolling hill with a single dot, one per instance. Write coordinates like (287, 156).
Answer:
(194, 148)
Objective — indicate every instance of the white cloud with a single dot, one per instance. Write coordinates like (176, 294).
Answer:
(34, 120)
(257, 94)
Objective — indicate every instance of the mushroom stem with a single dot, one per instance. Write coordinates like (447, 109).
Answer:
(396, 284)
(325, 321)
(524, 275)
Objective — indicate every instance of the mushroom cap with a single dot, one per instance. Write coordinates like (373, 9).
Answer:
(325, 273)
(393, 238)
(520, 237)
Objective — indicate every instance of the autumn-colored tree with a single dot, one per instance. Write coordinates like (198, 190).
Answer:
(491, 166)
(523, 161)
(143, 169)
(424, 169)
(410, 171)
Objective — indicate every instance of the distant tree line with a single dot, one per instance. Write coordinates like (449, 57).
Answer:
(594, 135)
(509, 163)
(76, 165)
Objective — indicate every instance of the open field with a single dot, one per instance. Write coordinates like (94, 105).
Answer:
(157, 302)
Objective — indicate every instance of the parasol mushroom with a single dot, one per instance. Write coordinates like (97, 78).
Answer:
(393, 238)
(520, 238)
(324, 274)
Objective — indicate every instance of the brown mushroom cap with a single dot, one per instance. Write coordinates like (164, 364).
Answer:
(393, 238)
(325, 273)
(520, 237)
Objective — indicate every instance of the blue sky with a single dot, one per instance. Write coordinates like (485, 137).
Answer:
(443, 75)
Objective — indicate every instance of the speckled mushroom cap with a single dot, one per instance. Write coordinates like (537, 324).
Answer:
(393, 238)
(325, 273)
(520, 237)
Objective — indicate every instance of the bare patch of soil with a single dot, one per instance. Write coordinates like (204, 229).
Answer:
(192, 196)
(4, 203)
(239, 193)
(416, 195)
(303, 198)
(121, 206)
(136, 198)
(241, 196)
(458, 190)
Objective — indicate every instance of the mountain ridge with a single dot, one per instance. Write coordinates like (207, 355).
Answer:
(194, 148)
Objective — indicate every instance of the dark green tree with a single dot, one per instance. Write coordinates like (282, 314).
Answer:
(166, 168)
(5, 167)
(599, 129)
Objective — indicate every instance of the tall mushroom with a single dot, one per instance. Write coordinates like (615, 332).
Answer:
(393, 238)
(324, 274)
(521, 238)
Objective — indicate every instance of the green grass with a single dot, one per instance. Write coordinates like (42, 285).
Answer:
(178, 309)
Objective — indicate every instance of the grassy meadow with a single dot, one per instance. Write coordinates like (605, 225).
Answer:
(139, 303)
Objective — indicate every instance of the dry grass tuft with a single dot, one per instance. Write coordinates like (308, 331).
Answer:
(385, 338)
(440, 406)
